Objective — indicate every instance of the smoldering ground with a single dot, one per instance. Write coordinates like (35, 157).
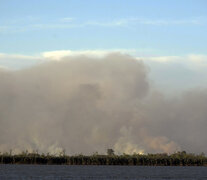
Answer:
(87, 104)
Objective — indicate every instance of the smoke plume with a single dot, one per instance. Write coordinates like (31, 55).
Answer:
(87, 104)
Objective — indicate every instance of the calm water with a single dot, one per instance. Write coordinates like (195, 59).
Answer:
(53, 172)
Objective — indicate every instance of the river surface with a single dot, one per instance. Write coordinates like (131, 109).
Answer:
(61, 172)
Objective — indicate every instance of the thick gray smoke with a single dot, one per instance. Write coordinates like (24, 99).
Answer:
(84, 105)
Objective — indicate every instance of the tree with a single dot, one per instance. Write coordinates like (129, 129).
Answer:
(110, 152)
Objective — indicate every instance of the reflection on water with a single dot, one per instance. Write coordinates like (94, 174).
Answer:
(54, 172)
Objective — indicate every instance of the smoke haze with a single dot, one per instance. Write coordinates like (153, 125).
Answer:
(86, 104)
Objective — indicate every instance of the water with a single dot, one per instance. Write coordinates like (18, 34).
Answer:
(53, 172)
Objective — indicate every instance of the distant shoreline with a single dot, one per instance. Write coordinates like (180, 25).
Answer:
(176, 159)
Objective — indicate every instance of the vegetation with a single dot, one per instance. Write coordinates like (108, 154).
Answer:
(176, 159)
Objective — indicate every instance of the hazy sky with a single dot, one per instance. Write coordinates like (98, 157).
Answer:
(64, 65)
(170, 36)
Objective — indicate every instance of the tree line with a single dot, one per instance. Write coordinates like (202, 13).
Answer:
(163, 159)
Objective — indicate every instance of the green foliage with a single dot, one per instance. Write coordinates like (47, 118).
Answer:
(176, 159)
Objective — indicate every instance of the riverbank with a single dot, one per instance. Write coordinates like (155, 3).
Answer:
(176, 159)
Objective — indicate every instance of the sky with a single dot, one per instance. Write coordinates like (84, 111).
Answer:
(128, 75)
(175, 31)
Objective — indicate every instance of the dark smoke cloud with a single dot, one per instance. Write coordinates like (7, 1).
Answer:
(86, 105)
